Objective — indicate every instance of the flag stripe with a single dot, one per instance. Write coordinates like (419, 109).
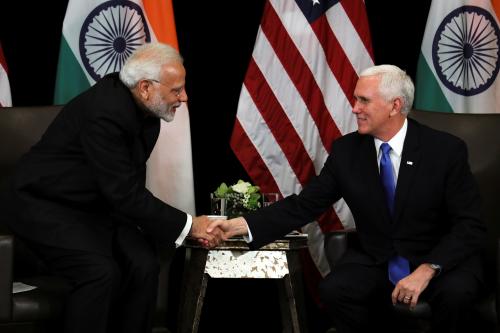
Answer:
(496, 7)
(428, 94)
(70, 78)
(161, 18)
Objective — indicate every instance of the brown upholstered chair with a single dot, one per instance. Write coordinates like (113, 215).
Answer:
(41, 309)
(480, 132)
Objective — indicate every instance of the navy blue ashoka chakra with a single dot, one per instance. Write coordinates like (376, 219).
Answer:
(111, 32)
(465, 50)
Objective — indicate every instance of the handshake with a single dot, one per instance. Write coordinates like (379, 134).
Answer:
(210, 232)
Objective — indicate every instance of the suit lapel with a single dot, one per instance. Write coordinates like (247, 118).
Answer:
(408, 167)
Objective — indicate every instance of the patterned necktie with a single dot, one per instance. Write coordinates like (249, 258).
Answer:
(398, 266)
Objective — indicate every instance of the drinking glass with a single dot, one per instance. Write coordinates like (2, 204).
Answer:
(217, 205)
(269, 198)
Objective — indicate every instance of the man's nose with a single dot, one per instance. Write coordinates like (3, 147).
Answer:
(355, 108)
(183, 97)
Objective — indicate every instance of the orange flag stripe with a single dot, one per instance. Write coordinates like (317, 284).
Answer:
(496, 7)
(161, 17)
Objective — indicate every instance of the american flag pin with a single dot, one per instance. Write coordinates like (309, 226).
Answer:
(409, 162)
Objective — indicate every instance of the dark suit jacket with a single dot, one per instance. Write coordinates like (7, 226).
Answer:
(437, 202)
(88, 172)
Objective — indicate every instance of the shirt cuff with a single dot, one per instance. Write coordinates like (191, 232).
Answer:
(185, 231)
(248, 238)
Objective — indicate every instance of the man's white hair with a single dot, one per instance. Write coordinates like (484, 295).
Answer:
(146, 63)
(394, 82)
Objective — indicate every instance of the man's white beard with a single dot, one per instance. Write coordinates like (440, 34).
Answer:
(161, 110)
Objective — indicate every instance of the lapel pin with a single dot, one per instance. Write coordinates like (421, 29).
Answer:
(409, 162)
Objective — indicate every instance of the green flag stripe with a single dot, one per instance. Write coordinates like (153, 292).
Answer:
(428, 94)
(70, 79)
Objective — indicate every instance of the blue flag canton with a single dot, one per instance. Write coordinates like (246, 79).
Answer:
(313, 9)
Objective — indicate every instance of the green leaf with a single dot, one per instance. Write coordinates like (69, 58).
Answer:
(253, 189)
(254, 201)
(221, 191)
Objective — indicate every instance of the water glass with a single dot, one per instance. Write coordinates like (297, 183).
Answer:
(269, 198)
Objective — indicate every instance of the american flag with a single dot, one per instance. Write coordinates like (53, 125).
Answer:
(5, 98)
(297, 98)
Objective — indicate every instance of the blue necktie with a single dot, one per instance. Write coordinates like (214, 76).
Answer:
(398, 266)
(387, 176)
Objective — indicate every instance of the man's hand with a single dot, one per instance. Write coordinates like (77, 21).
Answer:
(408, 290)
(199, 231)
(230, 228)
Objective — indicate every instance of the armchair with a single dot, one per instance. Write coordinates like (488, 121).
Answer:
(39, 310)
(480, 132)
(20, 128)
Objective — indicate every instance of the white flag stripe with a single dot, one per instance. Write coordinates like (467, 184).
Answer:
(349, 39)
(290, 99)
(258, 132)
(344, 214)
(316, 241)
(310, 48)
(169, 168)
(5, 97)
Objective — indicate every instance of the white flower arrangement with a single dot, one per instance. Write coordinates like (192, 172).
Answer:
(240, 197)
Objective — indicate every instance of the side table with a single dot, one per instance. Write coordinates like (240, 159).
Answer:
(233, 259)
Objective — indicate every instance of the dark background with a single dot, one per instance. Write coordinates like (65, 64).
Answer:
(216, 39)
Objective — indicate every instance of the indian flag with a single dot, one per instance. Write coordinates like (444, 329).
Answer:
(98, 36)
(460, 58)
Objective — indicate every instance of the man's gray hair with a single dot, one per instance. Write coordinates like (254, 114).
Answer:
(394, 82)
(146, 63)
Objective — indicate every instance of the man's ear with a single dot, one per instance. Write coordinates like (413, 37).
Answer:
(143, 89)
(397, 105)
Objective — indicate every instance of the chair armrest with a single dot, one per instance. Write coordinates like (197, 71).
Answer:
(336, 244)
(6, 263)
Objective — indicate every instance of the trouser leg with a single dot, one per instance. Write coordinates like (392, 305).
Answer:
(451, 297)
(94, 280)
(140, 267)
(357, 298)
